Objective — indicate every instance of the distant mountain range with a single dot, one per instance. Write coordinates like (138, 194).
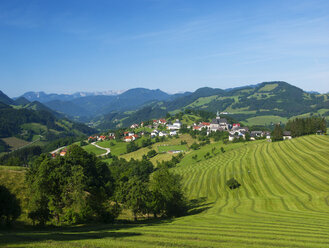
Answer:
(86, 106)
(269, 101)
(44, 97)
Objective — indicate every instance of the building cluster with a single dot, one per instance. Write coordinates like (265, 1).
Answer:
(235, 130)
(157, 126)
(95, 138)
(129, 136)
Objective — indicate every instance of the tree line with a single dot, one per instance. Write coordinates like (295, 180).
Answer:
(306, 126)
(81, 188)
(300, 126)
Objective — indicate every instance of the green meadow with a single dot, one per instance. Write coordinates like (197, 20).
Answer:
(283, 201)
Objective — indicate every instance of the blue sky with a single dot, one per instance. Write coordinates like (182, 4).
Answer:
(175, 45)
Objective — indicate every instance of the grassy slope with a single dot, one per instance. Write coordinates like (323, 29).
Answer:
(283, 202)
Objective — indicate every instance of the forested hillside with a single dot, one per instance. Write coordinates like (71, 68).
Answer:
(25, 123)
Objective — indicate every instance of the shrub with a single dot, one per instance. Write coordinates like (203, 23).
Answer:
(233, 183)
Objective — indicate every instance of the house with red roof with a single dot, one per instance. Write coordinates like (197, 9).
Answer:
(129, 138)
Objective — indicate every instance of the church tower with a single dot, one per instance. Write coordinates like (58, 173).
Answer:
(217, 115)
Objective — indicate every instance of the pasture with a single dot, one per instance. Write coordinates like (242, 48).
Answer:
(283, 201)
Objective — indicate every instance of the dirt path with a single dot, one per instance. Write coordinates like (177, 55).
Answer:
(58, 149)
(108, 150)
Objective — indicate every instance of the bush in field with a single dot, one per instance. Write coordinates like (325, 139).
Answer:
(151, 154)
(195, 146)
(233, 183)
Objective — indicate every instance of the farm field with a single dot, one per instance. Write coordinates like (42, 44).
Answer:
(283, 201)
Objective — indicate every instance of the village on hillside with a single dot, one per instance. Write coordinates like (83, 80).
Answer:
(227, 129)
(161, 128)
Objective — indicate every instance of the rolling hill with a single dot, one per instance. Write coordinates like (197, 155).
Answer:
(282, 202)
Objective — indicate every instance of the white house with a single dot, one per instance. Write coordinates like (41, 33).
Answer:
(161, 134)
(175, 126)
(173, 133)
(286, 135)
(134, 126)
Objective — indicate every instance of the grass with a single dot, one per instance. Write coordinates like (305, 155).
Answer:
(265, 120)
(117, 149)
(15, 143)
(37, 128)
(268, 87)
(283, 201)
(136, 154)
(91, 148)
(202, 101)
(164, 149)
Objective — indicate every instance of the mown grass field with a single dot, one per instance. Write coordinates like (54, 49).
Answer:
(163, 149)
(283, 201)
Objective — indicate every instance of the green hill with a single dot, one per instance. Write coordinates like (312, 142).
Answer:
(282, 202)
